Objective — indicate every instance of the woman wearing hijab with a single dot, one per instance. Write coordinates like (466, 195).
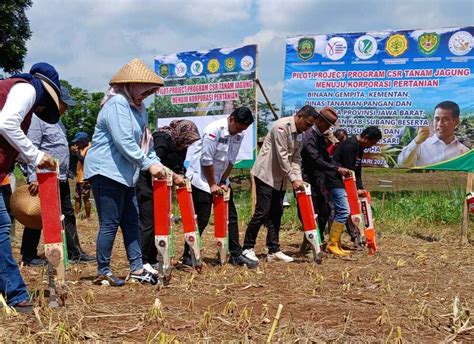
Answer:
(37, 91)
(120, 149)
(170, 144)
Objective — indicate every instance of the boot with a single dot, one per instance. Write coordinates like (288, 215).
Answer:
(334, 238)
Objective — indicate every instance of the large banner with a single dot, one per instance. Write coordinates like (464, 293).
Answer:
(394, 80)
(204, 86)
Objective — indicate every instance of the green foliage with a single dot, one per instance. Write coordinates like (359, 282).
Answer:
(14, 32)
(265, 116)
(83, 116)
(419, 208)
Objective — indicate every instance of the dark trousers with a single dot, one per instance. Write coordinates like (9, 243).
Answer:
(202, 206)
(268, 212)
(147, 231)
(321, 206)
(31, 237)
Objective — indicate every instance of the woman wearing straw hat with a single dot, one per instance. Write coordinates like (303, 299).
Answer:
(121, 147)
(37, 91)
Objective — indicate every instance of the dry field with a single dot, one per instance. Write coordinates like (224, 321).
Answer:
(413, 291)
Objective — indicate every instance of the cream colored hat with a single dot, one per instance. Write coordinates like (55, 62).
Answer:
(26, 208)
(138, 72)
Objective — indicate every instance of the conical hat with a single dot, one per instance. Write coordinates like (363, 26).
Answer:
(26, 208)
(136, 71)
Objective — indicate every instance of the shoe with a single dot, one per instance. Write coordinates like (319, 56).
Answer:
(109, 279)
(82, 259)
(143, 277)
(148, 267)
(187, 260)
(272, 257)
(24, 307)
(241, 260)
(286, 204)
(250, 254)
(34, 262)
(334, 238)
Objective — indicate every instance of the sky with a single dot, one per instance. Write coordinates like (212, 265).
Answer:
(89, 40)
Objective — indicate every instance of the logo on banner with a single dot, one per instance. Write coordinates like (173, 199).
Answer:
(246, 63)
(396, 45)
(164, 70)
(180, 69)
(196, 67)
(213, 65)
(229, 64)
(460, 43)
(336, 48)
(365, 47)
(306, 48)
(428, 43)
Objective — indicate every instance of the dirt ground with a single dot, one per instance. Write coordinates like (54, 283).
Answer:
(405, 293)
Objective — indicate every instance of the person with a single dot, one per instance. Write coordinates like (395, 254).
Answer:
(317, 163)
(277, 163)
(209, 170)
(20, 96)
(51, 139)
(443, 145)
(170, 144)
(349, 155)
(121, 147)
(7, 187)
(341, 134)
(80, 146)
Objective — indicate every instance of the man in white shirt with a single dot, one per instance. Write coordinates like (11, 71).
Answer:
(209, 170)
(443, 145)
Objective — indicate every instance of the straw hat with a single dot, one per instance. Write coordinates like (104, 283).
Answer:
(138, 72)
(26, 208)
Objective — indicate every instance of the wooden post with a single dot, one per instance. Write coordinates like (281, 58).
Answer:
(266, 98)
(465, 214)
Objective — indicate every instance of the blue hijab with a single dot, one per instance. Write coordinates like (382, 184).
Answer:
(39, 72)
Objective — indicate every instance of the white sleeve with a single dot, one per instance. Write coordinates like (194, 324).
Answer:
(19, 102)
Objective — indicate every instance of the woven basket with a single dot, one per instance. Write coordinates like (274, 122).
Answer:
(26, 208)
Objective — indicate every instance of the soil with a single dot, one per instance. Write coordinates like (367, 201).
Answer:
(406, 292)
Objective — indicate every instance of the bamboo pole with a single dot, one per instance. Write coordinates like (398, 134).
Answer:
(275, 324)
(266, 98)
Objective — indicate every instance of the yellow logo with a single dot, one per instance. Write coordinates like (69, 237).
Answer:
(396, 45)
(213, 65)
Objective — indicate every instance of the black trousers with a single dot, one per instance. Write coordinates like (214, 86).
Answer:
(147, 231)
(321, 204)
(31, 237)
(202, 206)
(268, 212)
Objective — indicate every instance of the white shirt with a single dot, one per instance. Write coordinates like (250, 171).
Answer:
(216, 148)
(432, 151)
(19, 102)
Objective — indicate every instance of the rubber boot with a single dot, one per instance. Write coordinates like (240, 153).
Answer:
(334, 237)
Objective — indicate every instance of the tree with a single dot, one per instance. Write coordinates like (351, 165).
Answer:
(265, 117)
(14, 32)
(83, 116)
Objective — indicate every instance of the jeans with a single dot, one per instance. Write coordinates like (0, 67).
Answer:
(341, 204)
(116, 206)
(203, 202)
(268, 212)
(31, 237)
(12, 285)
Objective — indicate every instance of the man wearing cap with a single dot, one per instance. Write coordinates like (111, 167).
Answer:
(317, 163)
(277, 163)
(37, 91)
(79, 148)
(51, 138)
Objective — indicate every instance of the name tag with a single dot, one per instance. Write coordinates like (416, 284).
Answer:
(299, 137)
(223, 140)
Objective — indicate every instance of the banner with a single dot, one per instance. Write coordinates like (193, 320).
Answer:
(204, 86)
(393, 80)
